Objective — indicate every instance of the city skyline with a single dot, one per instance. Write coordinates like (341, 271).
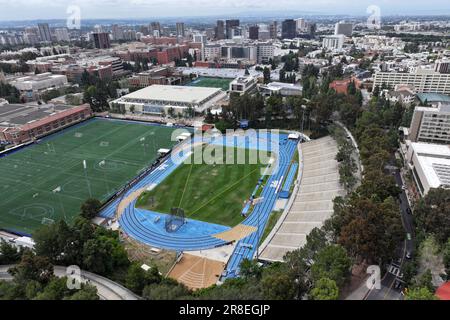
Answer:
(139, 9)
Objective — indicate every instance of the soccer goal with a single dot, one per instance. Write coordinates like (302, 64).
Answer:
(175, 220)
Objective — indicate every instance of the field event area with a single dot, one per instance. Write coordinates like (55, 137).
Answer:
(214, 193)
(48, 180)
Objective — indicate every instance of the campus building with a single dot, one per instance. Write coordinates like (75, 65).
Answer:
(422, 80)
(244, 84)
(280, 88)
(23, 123)
(159, 99)
(31, 86)
(429, 164)
(431, 124)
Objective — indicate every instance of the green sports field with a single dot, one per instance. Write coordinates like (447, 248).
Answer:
(221, 83)
(210, 193)
(48, 180)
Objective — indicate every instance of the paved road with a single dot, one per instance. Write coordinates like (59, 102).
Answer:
(107, 289)
(388, 291)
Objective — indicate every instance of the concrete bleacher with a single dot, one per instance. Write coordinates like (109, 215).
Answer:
(313, 202)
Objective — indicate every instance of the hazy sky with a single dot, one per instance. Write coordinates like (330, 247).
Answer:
(56, 9)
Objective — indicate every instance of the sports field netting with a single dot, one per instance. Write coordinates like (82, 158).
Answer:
(210, 193)
(47, 181)
(221, 83)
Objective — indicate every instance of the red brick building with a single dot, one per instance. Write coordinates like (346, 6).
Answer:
(17, 134)
(341, 86)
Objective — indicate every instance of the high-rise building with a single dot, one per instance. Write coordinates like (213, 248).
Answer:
(219, 30)
(101, 40)
(288, 29)
(117, 32)
(62, 34)
(253, 32)
(44, 32)
(229, 25)
(300, 25)
(273, 30)
(430, 124)
(180, 29)
(343, 28)
(155, 28)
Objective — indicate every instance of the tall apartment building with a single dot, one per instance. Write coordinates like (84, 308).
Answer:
(117, 32)
(300, 25)
(44, 32)
(219, 30)
(273, 30)
(343, 28)
(431, 125)
(155, 28)
(180, 29)
(101, 40)
(211, 52)
(265, 52)
(229, 25)
(62, 34)
(253, 32)
(422, 80)
(288, 29)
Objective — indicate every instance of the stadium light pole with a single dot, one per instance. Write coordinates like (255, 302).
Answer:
(144, 146)
(101, 164)
(87, 180)
(57, 191)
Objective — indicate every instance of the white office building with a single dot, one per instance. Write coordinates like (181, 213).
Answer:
(334, 42)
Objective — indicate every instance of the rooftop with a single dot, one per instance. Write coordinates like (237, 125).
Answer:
(434, 160)
(15, 115)
(182, 94)
(433, 97)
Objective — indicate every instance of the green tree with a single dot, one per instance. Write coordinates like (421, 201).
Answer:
(432, 214)
(8, 253)
(332, 262)
(324, 289)
(420, 294)
(90, 208)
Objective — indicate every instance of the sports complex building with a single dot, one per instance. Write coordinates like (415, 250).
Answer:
(158, 99)
(23, 123)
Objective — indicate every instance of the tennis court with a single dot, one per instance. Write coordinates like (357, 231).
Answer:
(50, 180)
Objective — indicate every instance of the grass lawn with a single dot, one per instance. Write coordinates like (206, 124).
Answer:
(210, 193)
(274, 216)
(30, 176)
